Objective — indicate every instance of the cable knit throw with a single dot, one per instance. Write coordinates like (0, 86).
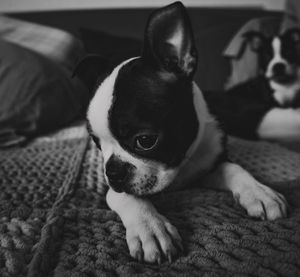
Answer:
(54, 220)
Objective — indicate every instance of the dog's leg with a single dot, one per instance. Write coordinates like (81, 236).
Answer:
(146, 230)
(258, 199)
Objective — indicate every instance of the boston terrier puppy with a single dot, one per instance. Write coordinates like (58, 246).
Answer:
(269, 103)
(279, 63)
(279, 60)
(156, 133)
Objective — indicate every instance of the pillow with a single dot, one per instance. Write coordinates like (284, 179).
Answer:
(212, 66)
(53, 43)
(113, 48)
(37, 95)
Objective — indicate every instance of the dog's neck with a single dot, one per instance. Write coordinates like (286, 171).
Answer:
(206, 148)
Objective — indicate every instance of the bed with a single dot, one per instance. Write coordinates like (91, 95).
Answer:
(55, 222)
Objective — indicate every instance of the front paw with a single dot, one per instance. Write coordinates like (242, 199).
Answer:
(150, 237)
(263, 202)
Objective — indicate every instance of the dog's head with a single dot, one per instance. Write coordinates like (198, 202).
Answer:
(278, 56)
(142, 115)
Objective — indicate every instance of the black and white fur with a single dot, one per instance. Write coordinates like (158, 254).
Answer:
(279, 62)
(283, 73)
(155, 132)
(275, 93)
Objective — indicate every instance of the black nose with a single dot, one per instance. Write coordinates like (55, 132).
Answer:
(279, 68)
(116, 172)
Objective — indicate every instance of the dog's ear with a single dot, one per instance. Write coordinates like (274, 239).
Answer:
(169, 42)
(90, 69)
(255, 39)
(293, 35)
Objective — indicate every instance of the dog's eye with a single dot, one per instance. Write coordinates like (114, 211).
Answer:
(295, 36)
(146, 142)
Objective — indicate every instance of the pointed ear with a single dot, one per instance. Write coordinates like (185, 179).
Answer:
(255, 39)
(90, 69)
(169, 41)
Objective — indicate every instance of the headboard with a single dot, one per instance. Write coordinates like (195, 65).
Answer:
(213, 29)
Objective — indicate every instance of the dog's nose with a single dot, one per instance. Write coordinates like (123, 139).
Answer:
(116, 173)
(279, 68)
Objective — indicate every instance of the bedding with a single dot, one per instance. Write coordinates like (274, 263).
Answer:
(55, 222)
(37, 95)
(57, 45)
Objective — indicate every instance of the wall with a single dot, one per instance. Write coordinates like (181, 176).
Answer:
(213, 30)
(48, 5)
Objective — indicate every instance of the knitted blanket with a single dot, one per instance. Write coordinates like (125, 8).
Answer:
(54, 220)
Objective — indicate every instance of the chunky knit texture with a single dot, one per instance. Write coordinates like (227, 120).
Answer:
(54, 220)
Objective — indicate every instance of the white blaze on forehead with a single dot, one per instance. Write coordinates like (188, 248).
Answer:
(277, 57)
(101, 103)
(99, 110)
(276, 44)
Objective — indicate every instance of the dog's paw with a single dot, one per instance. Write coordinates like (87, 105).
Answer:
(152, 237)
(263, 202)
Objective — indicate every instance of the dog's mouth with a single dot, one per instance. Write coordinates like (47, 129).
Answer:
(134, 189)
(127, 190)
(283, 78)
(122, 187)
(119, 187)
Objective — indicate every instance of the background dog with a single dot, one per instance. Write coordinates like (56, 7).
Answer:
(269, 103)
(279, 62)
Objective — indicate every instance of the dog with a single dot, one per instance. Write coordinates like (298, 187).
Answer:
(269, 103)
(279, 63)
(156, 133)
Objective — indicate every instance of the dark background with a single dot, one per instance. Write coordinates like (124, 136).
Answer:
(213, 29)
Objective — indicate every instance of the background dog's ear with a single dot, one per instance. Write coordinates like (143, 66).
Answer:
(293, 35)
(169, 41)
(255, 39)
(91, 69)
